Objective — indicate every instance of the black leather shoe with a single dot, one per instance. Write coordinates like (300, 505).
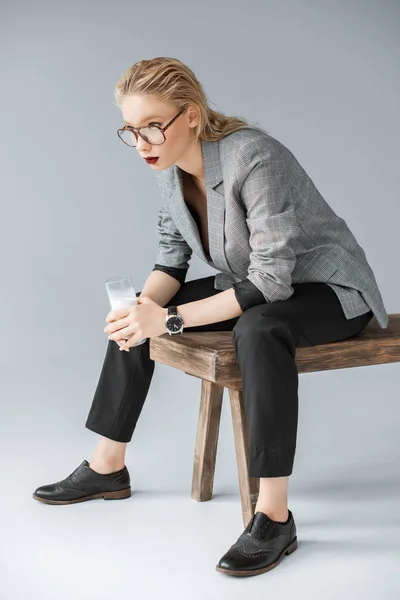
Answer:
(260, 547)
(86, 484)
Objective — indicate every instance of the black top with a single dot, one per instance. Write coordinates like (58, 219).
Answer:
(246, 293)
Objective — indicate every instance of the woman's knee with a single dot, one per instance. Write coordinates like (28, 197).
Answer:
(258, 319)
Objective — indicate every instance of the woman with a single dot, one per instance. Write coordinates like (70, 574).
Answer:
(290, 274)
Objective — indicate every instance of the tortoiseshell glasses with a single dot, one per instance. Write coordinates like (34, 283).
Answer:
(153, 134)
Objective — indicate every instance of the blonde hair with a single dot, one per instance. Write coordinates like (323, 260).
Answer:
(170, 80)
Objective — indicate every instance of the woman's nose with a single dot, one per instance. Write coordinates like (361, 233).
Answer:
(142, 146)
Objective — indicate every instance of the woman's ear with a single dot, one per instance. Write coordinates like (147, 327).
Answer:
(193, 116)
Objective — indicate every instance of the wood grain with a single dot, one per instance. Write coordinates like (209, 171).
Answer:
(207, 440)
(211, 357)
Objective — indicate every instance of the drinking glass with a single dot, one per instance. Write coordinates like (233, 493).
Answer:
(121, 293)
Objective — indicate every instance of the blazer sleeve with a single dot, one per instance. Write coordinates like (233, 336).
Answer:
(173, 252)
(267, 197)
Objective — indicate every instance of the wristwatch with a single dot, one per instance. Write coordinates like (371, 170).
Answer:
(173, 321)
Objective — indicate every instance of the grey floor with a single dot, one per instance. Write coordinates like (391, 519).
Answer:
(160, 543)
(155, 545)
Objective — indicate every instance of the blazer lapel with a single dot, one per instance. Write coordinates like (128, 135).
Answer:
(213, 182)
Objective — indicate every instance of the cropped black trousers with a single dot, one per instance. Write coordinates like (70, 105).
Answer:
(265, 338)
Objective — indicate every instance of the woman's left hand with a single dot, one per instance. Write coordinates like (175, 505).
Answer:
(144, 320)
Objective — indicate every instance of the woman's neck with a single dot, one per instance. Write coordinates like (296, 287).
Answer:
(192, 163)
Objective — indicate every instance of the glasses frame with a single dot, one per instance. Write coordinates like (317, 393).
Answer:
(136, 131)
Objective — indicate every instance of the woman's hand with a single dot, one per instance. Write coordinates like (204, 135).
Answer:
(133, 323)
(120, 342)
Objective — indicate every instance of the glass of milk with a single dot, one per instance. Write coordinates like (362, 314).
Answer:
(121, 293)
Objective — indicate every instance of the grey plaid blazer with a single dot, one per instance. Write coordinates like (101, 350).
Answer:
(267, 224)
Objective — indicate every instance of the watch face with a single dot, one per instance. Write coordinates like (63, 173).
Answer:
(174, 323)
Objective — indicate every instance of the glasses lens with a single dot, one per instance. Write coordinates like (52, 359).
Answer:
(152, 135)
(128, 137)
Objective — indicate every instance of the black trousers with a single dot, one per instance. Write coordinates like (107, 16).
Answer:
(265, 338)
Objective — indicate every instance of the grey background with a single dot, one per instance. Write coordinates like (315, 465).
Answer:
(78, 207)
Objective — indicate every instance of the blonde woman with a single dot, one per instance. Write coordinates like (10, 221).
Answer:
(290, 273)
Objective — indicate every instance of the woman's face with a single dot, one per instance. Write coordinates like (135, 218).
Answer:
(139, 111)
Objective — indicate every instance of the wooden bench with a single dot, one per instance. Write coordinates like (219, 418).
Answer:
(211, 357)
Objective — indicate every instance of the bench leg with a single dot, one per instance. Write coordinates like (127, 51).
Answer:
(249, 486)
(207, 440)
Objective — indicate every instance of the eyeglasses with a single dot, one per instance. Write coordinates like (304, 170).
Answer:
(153, 134)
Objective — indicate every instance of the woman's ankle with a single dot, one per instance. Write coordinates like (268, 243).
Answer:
(106, 466)
(109, 455)
(280, 514)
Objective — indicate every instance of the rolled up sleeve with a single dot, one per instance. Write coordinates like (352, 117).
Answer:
(267, 197)
(179, 274)
(173, 252)
(247, 294)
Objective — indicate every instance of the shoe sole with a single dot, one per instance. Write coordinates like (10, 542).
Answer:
(288, 550)
(118, 495)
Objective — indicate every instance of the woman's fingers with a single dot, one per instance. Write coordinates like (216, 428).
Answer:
(121, 343)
